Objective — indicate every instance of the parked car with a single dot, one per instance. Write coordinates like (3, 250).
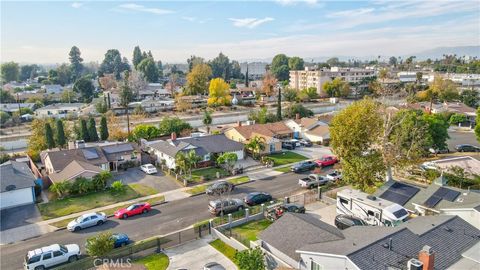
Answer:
(293, 208)
(312, 180)
(326, 161)
(334, 176)
(255, 198)
(227, 206)
(148, 169)
(132, 210)
(295, 142)
(219, 187)
(304, 166)
(50, 256)
(343, 222)
(439, 151)
(86, 220)
(120, 240)
(467, 148)
(213, 266)
(288, 145)
(306, 143)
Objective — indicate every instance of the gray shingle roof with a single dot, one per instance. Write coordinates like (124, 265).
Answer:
(212, 143)
(115, 151)
(16, 174)
(61, 158)
(293, 231)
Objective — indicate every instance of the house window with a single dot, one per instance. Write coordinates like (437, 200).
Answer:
(316, 266)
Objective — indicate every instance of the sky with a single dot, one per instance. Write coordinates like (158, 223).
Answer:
(43, 32)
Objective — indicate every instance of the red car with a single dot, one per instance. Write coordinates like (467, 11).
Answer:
(326, 161)
(132, 210)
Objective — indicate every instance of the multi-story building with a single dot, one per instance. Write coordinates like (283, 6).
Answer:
(313, 77)
(255, 69)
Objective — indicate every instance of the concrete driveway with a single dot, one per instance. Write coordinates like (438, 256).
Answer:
(194, 255)
(19, 216)
(157, 181)
(314, 152)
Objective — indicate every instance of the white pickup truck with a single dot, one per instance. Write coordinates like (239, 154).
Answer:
(313, 180)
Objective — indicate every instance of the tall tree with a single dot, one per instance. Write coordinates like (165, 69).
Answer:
(279, 104)
(92, 130)
(84, 134)
(279, 67)
(10, 71)
(193, 61)
(219, 93)
(470, 98)
(392, 61)
(149, 69)
(107, 82)
(269, 83)
(64, 75)
(75, 62)
(207, 119)
(197, 79)
(235, 70)
(477, 127)
(137, 56)
(28, 72)
(126, 96)
(49, 136)
(113, 63)
(295, 63)
(85, 88)
(337, 88)
(103, 128)
(220, 67)
(60, 134)
(160, 69)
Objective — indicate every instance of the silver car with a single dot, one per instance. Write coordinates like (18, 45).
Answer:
(86, 220)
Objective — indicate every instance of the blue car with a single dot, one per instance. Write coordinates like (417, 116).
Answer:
(120, 239)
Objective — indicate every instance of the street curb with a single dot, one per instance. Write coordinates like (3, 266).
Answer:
(109, 216)
(201, 193)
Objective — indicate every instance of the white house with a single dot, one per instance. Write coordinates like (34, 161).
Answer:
(17, 184)
(310, 129)
(52, 88)
(59, 110)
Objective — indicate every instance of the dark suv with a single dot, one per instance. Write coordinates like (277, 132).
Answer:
(304, 166)
(219, 187)
(343, 221)
(288, 145)
(467, 148)
(255, 198)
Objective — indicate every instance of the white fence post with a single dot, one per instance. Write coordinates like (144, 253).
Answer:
(247, 213)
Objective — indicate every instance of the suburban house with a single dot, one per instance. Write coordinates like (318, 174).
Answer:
(273, 133)
(432, 242)
(207, 147)
(450, 107)
(309, 128)
(467, 163)
(17, 184)
(59, 110)
(13, 107)
(82, 161)
(436, 199)
(157, 105)
(52, 88)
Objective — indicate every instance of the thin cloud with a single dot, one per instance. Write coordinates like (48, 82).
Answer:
(250, 22)
(77, 5)
(195, 19)
(295, 2)
(140, 8)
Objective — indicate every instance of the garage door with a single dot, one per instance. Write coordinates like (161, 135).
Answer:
(16, 197)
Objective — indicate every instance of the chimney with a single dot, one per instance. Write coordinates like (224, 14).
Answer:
(71, 145)
(427, 257)
(239, 123)
(173, 136)
(297, 116)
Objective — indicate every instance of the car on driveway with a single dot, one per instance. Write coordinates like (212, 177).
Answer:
(343, 222)
(216, 207)
(213, 266)
(255, 198)
(334, 176)
(86, 220)
(326, 161)
(304, 166)
(306, 143)
(219, 187)
(148, 169)
(50, 256)
(467, 148)
(288, 145)
(293, 208)
(132, 210)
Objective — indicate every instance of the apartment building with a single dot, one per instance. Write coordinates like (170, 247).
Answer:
(313, 77)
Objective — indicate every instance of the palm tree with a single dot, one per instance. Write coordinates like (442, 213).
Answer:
(207, 119)
(256, 145)
(192, 160)
(59, 188)
(181, 162)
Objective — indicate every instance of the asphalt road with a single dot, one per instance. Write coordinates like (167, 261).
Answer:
(162, 219)
(461, 138)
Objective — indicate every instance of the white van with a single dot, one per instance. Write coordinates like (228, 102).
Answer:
(49, 256)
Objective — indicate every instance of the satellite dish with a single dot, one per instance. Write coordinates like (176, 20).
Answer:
(10, 187)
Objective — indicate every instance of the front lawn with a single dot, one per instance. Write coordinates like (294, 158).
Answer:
(286, 158)
(239, 180)
(155, 261)
(225, 249)
(70, 205)
(208, 174)
(251, 229)
(283, 169)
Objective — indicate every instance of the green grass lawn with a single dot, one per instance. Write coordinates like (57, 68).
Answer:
(239, 180)
(201, 188)
(225, 249)
(210, 173)
(251, 229)
(155, 261)
(283, 169)
(70, 205)
(286, 158)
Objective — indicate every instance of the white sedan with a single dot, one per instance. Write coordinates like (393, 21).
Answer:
(333, 176)
(148, 169)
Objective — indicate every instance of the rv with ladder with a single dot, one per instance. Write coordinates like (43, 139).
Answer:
(373, 210)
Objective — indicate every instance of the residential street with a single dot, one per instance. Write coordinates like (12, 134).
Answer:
(162, 219)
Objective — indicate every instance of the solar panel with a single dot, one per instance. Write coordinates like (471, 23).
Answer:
(432, 201)
(90, 153)
(451, 195)
(399, 193)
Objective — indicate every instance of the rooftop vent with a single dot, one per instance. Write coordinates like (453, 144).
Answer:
(371, 197)
(448, 229)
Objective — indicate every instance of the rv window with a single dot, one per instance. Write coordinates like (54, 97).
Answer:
(316, 266)
(377, 215)
(343, 201)
(387, 223)
(370, 213)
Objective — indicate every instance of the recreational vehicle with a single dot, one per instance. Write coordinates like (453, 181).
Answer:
(373, 210)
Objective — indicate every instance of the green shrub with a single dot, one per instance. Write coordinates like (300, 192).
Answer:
(100, 244)
(118, 187)
(81, 185)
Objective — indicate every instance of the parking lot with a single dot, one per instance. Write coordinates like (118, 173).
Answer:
(157, 181)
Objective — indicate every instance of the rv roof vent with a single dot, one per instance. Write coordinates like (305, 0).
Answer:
(371, 197)
(10, 187)
(385, 245)
(448, 229)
